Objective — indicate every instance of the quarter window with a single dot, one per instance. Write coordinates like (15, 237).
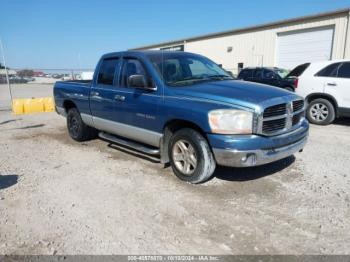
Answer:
(344, 70)
(329, 71)
(107, 71)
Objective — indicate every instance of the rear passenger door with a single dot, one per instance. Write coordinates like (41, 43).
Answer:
(258, 76)
(103, 90)
(270, 78)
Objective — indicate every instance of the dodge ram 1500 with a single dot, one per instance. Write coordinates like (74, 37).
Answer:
(185, 109)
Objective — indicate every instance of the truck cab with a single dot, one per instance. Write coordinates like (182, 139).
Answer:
(185, 109)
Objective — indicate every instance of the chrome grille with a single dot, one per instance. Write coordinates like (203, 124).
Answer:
(274, 125)
(275, 110)
(281, 118)
(298, 105)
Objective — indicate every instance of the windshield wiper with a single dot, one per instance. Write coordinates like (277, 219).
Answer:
(220, 76)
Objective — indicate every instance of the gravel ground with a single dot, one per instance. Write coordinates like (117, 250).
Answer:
(58, 196)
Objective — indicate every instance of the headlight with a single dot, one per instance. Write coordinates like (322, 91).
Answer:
(230, 121)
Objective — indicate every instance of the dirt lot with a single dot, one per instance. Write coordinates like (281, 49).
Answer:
(59, 196)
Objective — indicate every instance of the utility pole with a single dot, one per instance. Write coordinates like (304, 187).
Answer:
(6, 72)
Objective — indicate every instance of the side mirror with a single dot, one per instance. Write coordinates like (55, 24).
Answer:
(138, 81)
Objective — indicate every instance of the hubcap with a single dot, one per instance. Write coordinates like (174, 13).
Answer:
(319, 112)
(73, 126)
(185, 157)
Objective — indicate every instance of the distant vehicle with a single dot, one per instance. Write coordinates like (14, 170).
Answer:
(66, 77)
(29, 79)
(273, 76)
(17, 80)
(326, 88)
(87, 75)
(186, 110)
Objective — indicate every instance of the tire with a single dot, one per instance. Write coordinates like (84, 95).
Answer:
(76, 127)
(320, 112)
(185, 146)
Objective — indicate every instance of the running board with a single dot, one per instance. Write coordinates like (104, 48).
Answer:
(128, 143)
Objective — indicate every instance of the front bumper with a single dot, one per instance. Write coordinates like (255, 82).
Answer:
(253, 150)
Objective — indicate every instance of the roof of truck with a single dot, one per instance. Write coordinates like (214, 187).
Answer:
(144, 52)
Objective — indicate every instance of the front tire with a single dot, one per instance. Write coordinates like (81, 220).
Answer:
(76, 127)
(321, 112)
(190, 156)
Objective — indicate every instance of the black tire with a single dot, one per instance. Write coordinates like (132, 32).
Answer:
(316, 112)
(76, 127)
(205, 162)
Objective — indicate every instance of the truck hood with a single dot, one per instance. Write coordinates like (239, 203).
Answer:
(236, 92)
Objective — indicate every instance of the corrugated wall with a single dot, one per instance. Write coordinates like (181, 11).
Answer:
(256, 48)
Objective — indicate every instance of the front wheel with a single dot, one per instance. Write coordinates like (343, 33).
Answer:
(321, 112)
(190, 156)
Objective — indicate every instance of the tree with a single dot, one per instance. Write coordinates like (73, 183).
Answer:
(25, 73)
(1, 66)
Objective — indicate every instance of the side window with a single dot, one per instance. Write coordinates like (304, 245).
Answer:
(329, 71)
(107, 71)
(344, 70)
(132, 66)
(268, 74)
(258, 73)
(245, 74)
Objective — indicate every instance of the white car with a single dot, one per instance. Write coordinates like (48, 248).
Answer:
(326, 88)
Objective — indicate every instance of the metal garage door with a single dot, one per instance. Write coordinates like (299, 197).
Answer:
(304, 46)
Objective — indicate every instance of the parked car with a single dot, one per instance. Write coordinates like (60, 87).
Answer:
(273, 76)
(326, 88)
(17, 80)
(185, 109)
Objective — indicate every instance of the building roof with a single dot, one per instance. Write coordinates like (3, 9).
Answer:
(245, 29)
(9, 71)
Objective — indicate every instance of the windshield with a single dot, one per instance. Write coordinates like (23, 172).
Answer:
(181, 69)
(282, 72)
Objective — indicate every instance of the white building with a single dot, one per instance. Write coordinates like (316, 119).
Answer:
(284, 43)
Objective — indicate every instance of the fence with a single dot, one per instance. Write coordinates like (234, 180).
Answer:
(28, 83)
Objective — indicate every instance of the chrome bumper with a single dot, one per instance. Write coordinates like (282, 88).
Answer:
(235, 158)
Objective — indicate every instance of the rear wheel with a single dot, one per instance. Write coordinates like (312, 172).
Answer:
(76, 127)
(190, 156)
(321, 112)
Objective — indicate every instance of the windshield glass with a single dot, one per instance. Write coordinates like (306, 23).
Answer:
(282, 72)
(181, 69)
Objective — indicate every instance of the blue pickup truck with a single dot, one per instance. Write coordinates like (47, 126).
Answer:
(185, 109)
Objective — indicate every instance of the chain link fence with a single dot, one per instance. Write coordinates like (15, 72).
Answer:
(28, 83)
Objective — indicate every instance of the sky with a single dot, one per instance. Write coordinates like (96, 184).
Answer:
(75, 33)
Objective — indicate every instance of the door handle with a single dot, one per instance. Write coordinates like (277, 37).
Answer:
(94, 93)
(332, 84)
(119, 97)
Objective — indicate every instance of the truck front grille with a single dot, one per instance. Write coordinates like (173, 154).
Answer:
(281, 118)
(275, 110)
(298, 105)
(274, 125)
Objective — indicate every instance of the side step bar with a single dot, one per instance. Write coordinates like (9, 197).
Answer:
(128, 143)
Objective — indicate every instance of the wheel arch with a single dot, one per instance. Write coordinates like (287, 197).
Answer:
(330, 98)
(169, 128)
(68, 104)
